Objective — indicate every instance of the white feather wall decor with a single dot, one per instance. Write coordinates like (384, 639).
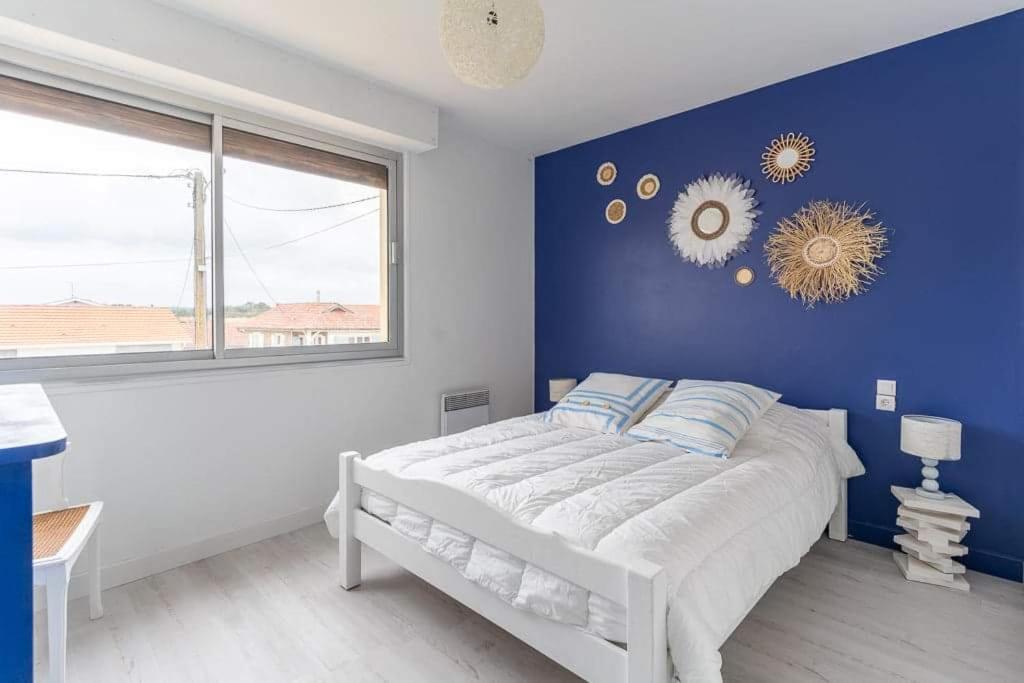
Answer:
(712, 219)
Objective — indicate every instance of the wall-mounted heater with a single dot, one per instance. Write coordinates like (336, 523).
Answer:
(462, 410)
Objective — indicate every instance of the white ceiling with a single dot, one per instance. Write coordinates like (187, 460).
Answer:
(607, 64)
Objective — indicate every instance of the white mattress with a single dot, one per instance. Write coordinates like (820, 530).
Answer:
(724, 530)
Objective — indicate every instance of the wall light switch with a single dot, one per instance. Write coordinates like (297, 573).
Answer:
(887, 403)
(886, 387)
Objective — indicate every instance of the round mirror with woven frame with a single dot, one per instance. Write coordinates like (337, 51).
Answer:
(787, 157)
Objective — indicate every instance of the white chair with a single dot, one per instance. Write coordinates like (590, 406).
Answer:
(58, 538)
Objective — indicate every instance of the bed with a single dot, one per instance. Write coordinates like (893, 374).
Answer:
(622, 560)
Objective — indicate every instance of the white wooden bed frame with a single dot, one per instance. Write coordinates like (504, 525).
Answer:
(640, 586)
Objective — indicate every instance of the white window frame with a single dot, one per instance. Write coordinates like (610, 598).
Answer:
(218, 116)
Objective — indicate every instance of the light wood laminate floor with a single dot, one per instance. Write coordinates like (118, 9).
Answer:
(272, 612)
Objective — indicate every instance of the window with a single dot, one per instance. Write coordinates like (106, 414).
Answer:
(104, 226)
(134, 232)
(305, 235)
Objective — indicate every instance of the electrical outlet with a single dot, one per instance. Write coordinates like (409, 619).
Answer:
(887, 403)
(885, 387)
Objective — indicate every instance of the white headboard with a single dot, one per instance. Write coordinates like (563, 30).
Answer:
(836, 418)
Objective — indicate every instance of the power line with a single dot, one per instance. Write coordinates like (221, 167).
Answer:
(300, 210)
(102, 264)
(183, 175)
(188, 271)
(91, 265)
(92, 174)
(96, 174)
(319, 232)
(249, 263)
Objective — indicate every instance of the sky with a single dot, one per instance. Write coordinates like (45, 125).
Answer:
(52, 226)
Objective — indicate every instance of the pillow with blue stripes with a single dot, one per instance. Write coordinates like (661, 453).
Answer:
(705, 417)
(607, 403)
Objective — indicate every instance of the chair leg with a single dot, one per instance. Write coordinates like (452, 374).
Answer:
(57, 623)
(95, 596)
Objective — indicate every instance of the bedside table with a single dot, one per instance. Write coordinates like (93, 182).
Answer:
(934, 529)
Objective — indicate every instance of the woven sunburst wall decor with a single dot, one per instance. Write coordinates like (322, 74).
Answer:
(712, 219)
(787, 158)
(826, 252)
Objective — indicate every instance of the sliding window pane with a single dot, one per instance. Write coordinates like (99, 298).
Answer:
(104, 226)
(305, 234)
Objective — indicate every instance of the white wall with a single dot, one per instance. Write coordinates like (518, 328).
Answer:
(191, 466)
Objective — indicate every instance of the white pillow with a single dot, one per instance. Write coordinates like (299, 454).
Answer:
(705, 417)
(656, 403)
(846, 459)
(607, 403)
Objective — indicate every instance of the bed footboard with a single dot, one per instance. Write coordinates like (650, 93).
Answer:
(641, 586)
(349, 548)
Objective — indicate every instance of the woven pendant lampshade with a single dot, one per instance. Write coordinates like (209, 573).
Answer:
(492, 43)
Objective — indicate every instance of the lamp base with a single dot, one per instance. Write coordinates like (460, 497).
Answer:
(934, 495)
(929, 487)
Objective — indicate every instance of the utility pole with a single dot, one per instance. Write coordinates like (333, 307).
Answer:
(199, 251)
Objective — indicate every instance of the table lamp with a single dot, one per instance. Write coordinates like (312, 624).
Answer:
(932, 439)
(558, 388)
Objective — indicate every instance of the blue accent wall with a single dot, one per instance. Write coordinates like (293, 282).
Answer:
(16, 571)
(929, 135)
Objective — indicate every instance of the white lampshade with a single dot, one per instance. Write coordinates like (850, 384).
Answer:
(492, 43)
(558, 388)
(937, 438)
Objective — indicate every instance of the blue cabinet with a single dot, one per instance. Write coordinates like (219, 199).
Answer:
(29, 429)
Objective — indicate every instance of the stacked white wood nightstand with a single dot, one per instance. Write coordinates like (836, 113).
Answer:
(934, 529)
(935, 521)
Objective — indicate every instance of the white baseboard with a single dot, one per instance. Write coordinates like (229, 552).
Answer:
(141, 567)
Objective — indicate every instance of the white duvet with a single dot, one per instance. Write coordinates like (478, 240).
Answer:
(724, 530)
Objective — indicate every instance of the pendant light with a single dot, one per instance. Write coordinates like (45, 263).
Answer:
(492, 43)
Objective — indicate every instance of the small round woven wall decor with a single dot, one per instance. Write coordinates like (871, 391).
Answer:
(648, 186)
(615, 212)
(826, 252)
(787, 157)
(606, 173)
(712, 220)
(744, 276)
